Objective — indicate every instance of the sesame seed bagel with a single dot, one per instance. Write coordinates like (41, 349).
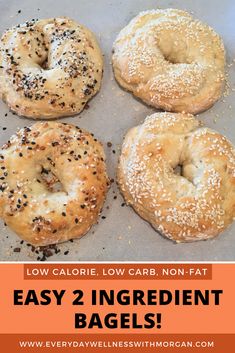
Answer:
(179, 176)
(49, 68)
(170, 61)
(53, 182)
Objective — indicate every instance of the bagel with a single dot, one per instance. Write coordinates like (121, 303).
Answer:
(53, 182)
(49, 68)
(179, 176)
(170, 61)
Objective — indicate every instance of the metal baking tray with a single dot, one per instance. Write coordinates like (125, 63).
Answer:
(121, 235)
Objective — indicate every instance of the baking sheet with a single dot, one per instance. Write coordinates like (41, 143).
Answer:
(121, 234)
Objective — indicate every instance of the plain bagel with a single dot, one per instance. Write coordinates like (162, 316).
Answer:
(179, 176)
(53, 182)
(49, 68)
(170, 61)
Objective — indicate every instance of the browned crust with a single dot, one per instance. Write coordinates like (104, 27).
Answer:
(170, 61)
(49, 68)
(28, 205)
(195, 206)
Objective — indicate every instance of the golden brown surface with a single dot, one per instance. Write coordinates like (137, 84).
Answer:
(170, 61)
(53, 182)
(49, 68)
(195, 202)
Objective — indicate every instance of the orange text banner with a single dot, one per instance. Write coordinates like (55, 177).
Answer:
(118, 343)
(59, 302)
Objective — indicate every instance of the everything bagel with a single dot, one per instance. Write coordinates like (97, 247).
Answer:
(170, 61)
(49, 68)
(179, 176)
(53, 182)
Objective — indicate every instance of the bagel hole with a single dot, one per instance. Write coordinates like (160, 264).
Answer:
(50, 180)
(44, 64)
(185, 171)
(171, 60)
(175, 58)
(178, 170)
